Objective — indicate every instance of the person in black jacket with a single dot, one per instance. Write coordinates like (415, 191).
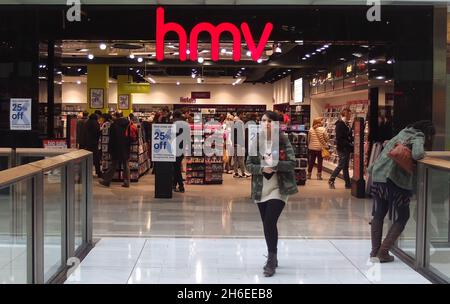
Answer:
(119, 148)
(92, 136)
(344, 147)
(177, 167)
(81, 139)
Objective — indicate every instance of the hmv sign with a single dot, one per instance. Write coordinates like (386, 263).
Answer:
(163, 27)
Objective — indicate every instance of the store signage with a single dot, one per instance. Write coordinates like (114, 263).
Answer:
(54, 143)
(187, 100)
(20, 114)
(201, 95)
(162, 28)
(163, 142)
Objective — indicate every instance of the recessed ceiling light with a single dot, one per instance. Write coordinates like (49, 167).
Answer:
(200, 59)
(342, 59)
(140, 59)
(304, 58)
(243, 69)
(69, 67)
(359, 55)
(278, 50)
(79, 70)
(284, 73)
(178, 83)
(380, 77)
(307, 55)
(313, 53)
(390, 61)
(131, 56)
(151, 79)
(102, 46)
(373, 61)
(90, 56)
(137, 71)
(326, 46)
(299, 41)
(59, 72)
(131, 69)
(84, 50)
(259, 60)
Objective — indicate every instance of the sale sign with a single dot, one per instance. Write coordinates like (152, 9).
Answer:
(163, 142)
(20, 114)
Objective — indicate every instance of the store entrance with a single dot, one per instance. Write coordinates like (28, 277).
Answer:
(307, 70)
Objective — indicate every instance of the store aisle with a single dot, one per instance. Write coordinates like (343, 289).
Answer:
(226, 210)
(233, 261)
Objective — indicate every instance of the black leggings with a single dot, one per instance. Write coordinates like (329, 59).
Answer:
(270, 212)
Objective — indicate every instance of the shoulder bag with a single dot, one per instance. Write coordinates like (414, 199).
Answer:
(401, 154)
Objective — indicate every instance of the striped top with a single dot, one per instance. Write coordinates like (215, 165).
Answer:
(317, 138)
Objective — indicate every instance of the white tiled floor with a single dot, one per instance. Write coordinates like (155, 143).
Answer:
(234, 261)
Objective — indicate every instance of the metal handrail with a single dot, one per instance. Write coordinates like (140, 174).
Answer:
(34, 173)
(439, 161)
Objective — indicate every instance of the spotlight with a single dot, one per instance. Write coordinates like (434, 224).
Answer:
(178, 83)
(90, 56)
(131, 56)
(188, 52)
(223, 51)
(278, 49)
(103, 46)
(373, 61)
(200, 60)
(140, 59)
(307, 55)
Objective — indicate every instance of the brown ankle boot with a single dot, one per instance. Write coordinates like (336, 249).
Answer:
(376, 232)
(271, 265)
(389, 241)
(319, 176)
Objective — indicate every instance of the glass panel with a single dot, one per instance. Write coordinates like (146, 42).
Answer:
(13, 233)
(438, 229)
(4, 162)
(54, 200)
(407, 241)
(80, 201)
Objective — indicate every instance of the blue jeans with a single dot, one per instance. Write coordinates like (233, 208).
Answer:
(343, 165)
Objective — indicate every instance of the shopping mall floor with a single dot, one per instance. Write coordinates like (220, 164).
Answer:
(213, 234)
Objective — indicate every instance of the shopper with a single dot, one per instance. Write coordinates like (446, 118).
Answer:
(317, 141)
(272, 183)
(177, 176)
(119, 149)
(344, 147)
(227, 129)
(393, 186)
(92, 136)
(81, 134)
(239, 146)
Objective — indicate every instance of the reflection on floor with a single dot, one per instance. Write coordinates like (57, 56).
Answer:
(226, 210)
(234, 261)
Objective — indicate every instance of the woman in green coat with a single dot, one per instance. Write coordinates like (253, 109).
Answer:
(273, 181)
(393, 187)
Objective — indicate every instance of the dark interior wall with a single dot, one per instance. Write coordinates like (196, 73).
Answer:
(19, 54)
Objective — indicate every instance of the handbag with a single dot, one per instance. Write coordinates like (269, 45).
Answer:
(402, 156)
(325, 151)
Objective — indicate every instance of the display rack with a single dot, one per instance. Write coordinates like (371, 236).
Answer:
(331, 115)
(139, 156)
(203, 170)
(300, 146)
